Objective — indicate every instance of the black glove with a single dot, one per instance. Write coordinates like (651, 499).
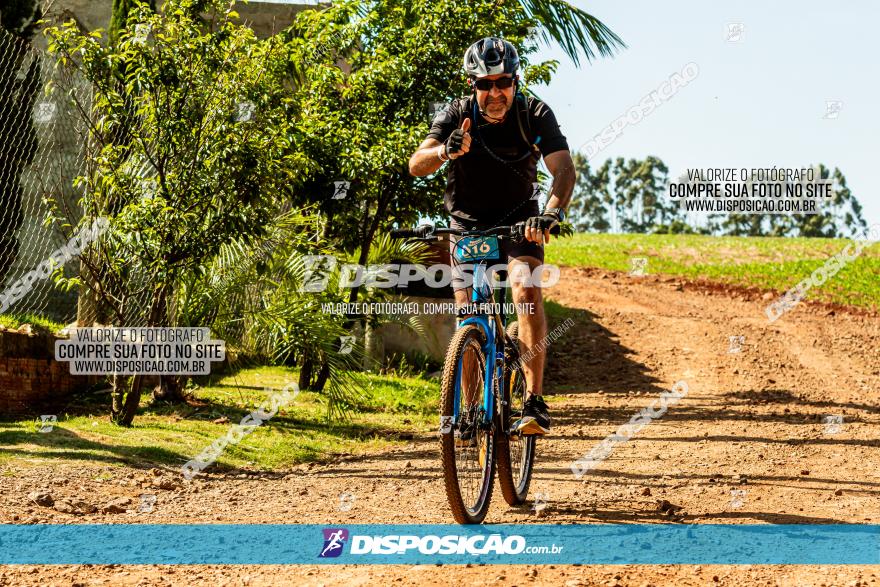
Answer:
(543, 222)
(453, 143)
(460, 138)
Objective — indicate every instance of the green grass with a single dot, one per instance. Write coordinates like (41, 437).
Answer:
(766, 262)
(392, 408)
(39, 323)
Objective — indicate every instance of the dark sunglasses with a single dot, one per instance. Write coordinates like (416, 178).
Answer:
(502, 83)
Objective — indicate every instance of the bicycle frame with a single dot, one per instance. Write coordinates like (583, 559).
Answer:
(493, 349)
(492, 324)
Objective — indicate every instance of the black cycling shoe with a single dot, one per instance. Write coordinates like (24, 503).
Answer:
(535, 418)
(467, 431)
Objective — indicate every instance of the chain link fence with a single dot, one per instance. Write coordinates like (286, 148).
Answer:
(43, 144)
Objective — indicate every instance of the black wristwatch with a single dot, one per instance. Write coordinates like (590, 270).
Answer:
(558, 212)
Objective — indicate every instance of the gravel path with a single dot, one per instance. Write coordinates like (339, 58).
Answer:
(782, 430)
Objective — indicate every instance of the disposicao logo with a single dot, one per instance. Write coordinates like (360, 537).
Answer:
(444, 545)
(334, 540)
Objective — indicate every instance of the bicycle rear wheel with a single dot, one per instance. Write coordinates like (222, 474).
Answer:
(468, 446)
(516, 453)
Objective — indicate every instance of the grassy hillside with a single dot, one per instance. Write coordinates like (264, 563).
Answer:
(769, 263)
(391, 410)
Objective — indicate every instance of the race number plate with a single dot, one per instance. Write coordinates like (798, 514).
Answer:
(476, 248)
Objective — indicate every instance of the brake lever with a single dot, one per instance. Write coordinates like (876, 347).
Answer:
(517, 232)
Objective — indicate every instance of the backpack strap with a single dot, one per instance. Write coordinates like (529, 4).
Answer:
(468, 107)
(520, 101)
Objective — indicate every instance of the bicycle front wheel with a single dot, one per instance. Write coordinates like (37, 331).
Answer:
(516, 453)
(468, 444)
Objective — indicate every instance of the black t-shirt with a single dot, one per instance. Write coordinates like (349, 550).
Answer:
(494, 182)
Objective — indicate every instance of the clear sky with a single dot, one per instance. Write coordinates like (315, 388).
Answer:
(757, 102)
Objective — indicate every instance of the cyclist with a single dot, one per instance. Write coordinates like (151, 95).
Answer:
(493, 140)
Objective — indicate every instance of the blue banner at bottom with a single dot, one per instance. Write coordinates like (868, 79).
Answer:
(616, 544)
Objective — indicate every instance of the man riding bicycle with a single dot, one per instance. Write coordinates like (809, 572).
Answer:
(493, 140)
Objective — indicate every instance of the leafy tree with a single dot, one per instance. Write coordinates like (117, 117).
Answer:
(741, 224)
(677, 227)
(20, 17)
(120, 14)
(640, 190)
(591, 197)
(204, 163)
(626, 194)
(250, 295)
(18, 22)
(363, 120)
(630, 196)
(839, 217)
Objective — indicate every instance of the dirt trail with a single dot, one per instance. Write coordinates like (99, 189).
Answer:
(757, 439)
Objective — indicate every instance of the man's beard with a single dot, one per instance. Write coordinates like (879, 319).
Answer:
(496, 109)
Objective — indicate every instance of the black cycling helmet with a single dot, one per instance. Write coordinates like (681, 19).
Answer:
(490, 56)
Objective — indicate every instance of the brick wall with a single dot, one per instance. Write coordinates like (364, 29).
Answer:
(31, 381)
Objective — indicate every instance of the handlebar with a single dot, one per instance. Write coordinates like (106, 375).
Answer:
(428, 231)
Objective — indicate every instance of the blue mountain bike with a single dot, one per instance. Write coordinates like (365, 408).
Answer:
(483, 390)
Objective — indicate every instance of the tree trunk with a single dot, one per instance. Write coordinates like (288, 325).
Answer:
(323, 375)
(117, 396)
(170, 388)
(305, 374)
(366, 242)
(119, 382)
(91, 309)
(309, 379)
(370, 231)
(132, 400)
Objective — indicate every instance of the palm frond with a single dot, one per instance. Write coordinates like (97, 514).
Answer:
(386, 250)
(291, 325)
(575, 30)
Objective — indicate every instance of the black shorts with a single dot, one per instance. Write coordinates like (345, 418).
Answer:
(509, 249)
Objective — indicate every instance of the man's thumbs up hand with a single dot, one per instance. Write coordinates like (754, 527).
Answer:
(459, 142)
